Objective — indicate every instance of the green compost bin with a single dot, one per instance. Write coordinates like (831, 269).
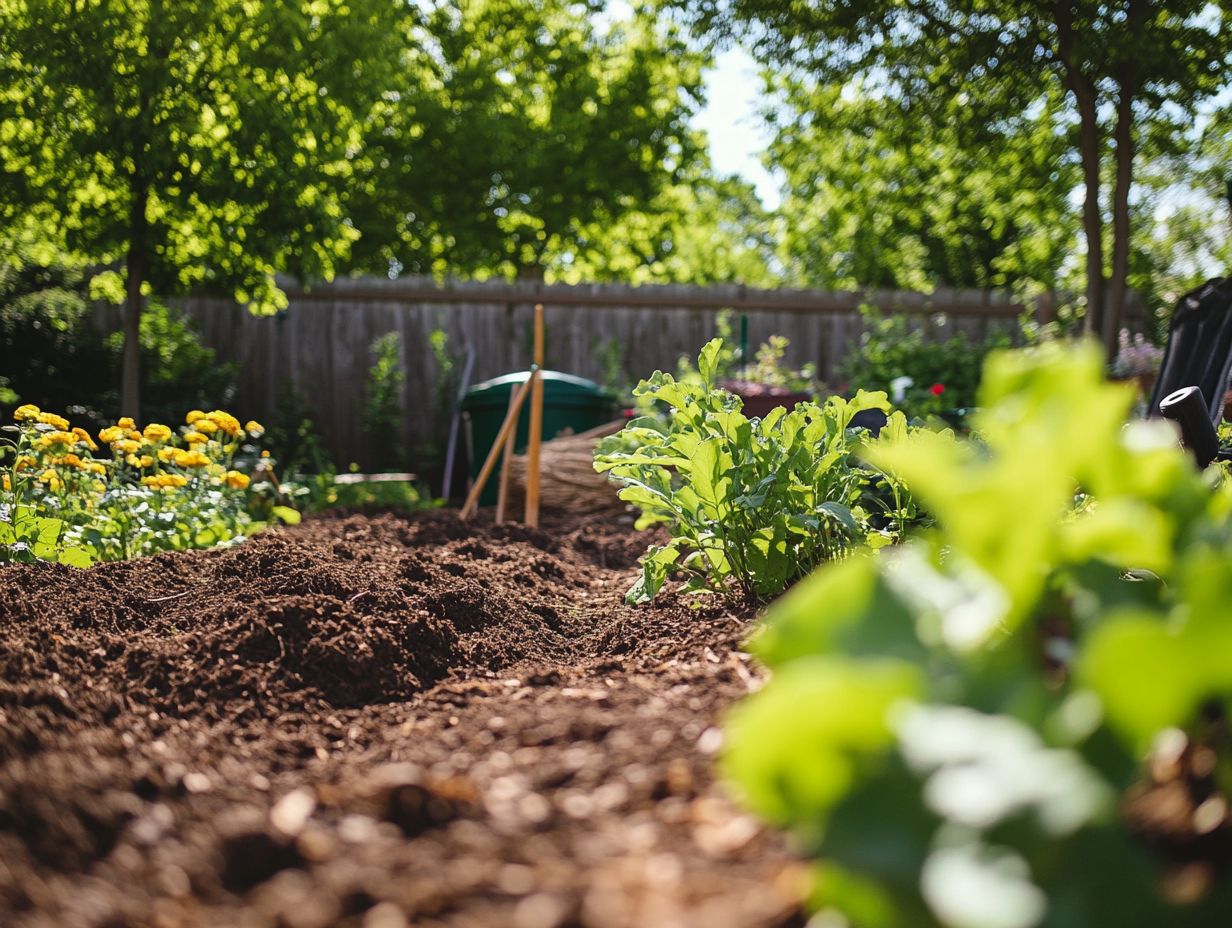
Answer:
(570, 405)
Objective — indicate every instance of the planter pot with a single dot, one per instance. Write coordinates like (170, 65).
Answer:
(759, 399)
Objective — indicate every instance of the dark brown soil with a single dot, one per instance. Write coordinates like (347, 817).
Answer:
(376, 722)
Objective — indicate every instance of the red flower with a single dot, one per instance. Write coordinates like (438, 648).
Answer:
(937, 389)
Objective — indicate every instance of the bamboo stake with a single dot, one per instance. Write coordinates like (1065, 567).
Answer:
(536, 428)
(472, 498)
(502, 495)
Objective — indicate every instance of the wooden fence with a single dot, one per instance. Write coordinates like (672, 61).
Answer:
(320, 347)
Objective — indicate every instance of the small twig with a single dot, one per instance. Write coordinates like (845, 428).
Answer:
(163, 599)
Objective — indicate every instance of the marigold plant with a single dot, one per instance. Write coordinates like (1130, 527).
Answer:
(67, 497)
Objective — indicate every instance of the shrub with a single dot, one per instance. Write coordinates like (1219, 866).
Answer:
(952, 724)
(751, 504)
(944, 373)
(383, 414)
(54, 355)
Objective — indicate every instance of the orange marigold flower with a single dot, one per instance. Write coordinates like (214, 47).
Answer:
(225, 421)
(84, 438)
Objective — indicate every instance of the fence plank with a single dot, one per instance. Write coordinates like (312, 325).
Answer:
(320, 346)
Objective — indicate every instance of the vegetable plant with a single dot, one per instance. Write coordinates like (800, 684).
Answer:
(955, 724)
(752, 504)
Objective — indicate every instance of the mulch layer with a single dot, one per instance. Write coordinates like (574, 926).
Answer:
(379, 722)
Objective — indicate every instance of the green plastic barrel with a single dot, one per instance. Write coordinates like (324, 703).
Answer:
(570, 405)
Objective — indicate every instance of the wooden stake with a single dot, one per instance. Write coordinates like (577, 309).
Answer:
(502, 495)
(472, 498)
(536, 428)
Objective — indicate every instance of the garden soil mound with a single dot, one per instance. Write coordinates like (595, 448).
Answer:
(374, 721)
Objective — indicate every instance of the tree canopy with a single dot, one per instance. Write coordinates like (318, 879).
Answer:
(517, 127)
(177, 145)
(1128, 71)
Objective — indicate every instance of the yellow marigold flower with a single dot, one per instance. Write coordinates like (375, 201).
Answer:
(6, 483)
(84, 438)
(100, 487)
(156, 432)
(195, 437)
(126, 423)
(24, 462)
(174, 480)
(51, 480)
(265, 454)
(152, 481)
(191, 459)
(127, 446)
(50, 439)
(134, 435)
(144, 461)
(236, 480)
(254, 428)
(166, 454)
(193, 416)
(27, 413)
(225, 421)
(50, 418)
(94, 467)
(111, 434)
(208, 426)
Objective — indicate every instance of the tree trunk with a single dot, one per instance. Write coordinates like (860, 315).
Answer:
(134, 268)
(1123, 135)
(1088, 115)
(1118, 284)
(1092, 220)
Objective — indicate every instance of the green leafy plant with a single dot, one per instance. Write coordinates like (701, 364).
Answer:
(924, 373)
(752, 504)
(954, 723)
(382, 415)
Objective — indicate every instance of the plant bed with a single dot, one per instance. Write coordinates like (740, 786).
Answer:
(374, 721)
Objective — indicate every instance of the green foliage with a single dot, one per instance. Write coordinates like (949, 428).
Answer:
(699, 230)
(213, 140)
(383, 405)
(893, 347)
(398, 495)
(751, 504)
(950, 723)
(54, 354)
(522, 131)
(292, 437)
(26, 537)
(877, 196)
